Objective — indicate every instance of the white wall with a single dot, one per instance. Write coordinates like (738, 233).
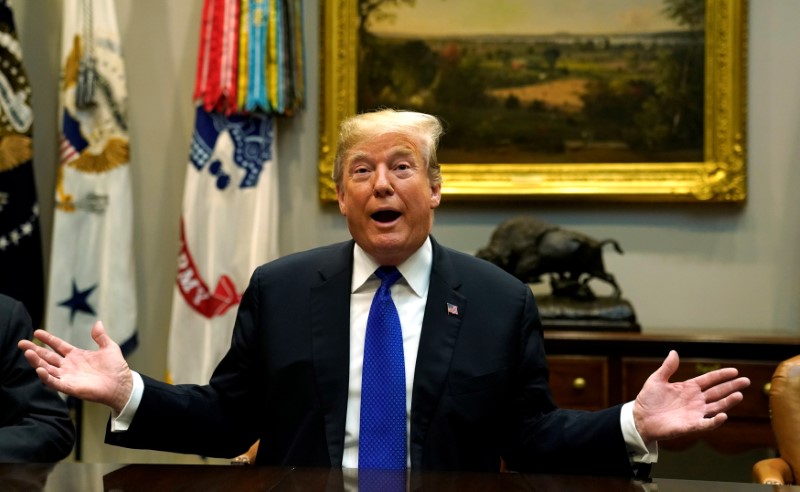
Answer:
(690, 266)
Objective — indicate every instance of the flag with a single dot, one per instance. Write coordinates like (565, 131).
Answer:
(249, 68)
(228, 227)
(452, 309)
(21, 271)
(92, 272)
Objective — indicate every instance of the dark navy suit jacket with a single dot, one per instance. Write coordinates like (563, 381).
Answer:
(480, 388)
(35, 425)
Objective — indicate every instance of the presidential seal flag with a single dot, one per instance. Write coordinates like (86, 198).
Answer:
(21, 274)
(92, 269)
(228, 227)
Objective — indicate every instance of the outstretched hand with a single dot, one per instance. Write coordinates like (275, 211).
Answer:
(100, 375)
(664, 410)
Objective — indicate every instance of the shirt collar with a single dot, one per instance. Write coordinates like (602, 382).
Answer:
(416, 270)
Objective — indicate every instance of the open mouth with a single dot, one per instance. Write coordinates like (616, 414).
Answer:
(385, 216)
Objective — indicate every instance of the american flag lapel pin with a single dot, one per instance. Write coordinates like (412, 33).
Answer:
(452, 309)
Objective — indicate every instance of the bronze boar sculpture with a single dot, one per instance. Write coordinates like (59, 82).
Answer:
(531, 249)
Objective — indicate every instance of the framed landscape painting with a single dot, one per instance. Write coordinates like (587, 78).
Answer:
(623, 100)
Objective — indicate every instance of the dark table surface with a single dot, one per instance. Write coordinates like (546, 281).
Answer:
(156, 478)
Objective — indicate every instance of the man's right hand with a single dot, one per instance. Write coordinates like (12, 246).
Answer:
(101, 375)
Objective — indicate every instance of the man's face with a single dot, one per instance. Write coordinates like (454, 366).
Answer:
(387, 197)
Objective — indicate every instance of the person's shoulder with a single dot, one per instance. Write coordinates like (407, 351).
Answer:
(472, 267)
(311, 259)
(15, 323)
(7, 304)
(10, 308)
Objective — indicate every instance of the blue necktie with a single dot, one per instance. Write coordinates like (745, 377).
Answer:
(382, 434)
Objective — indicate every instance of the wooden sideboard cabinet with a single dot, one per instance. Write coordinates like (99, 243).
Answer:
(593, 370)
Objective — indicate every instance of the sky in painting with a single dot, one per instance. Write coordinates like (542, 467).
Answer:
(447, 17)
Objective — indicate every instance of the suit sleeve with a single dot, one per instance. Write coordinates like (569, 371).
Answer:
(215, 419)
(544, 438)
(35, 425)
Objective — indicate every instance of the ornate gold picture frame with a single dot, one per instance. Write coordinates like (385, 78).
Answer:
(720, 177)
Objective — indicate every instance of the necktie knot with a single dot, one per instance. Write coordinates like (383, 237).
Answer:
(388, 275)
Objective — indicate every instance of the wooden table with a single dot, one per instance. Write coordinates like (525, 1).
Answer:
(593, 370)
(159, 478)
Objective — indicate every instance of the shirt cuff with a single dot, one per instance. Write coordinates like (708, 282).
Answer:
(638, 451)
(120, 422)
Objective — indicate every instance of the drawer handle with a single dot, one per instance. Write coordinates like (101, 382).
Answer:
(579, 383)
(767, 388)
(701, 368)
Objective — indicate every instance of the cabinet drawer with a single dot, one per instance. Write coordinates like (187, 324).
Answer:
(579, 382)
(635, 372)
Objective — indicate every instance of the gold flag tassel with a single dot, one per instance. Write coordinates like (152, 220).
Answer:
(87, 74)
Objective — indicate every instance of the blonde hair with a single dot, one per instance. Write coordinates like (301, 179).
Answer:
(424, 127)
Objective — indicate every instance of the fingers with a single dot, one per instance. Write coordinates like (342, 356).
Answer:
(716, 378)
(31, 352)
(721, 398)
(712, 422)
(702, 425)
(725, 388)
(50, 380)
(46, 363)
(668, 367)
(724, 404)
(100, 336)
(53, 342)
(26, 345)
(38, 356)
(62, 347)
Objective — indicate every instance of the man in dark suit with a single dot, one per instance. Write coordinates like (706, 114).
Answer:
(35, 425)
(475, 372)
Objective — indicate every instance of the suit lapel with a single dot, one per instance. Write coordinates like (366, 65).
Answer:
(330, 329)
(440, 328)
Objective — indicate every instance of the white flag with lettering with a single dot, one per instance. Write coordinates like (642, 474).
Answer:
(92, 272)
(228, 228)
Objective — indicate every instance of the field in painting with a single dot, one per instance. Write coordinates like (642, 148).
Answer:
(546, 99)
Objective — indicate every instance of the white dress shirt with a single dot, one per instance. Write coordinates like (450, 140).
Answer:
(410, 294)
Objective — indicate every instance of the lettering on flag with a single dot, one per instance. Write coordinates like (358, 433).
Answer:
(228, 227)
(195, 291)
(247, 70)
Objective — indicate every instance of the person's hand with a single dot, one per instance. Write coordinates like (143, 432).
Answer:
(664, 410)
(100, 376)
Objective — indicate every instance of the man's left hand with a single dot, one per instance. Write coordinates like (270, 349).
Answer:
(664, 410)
